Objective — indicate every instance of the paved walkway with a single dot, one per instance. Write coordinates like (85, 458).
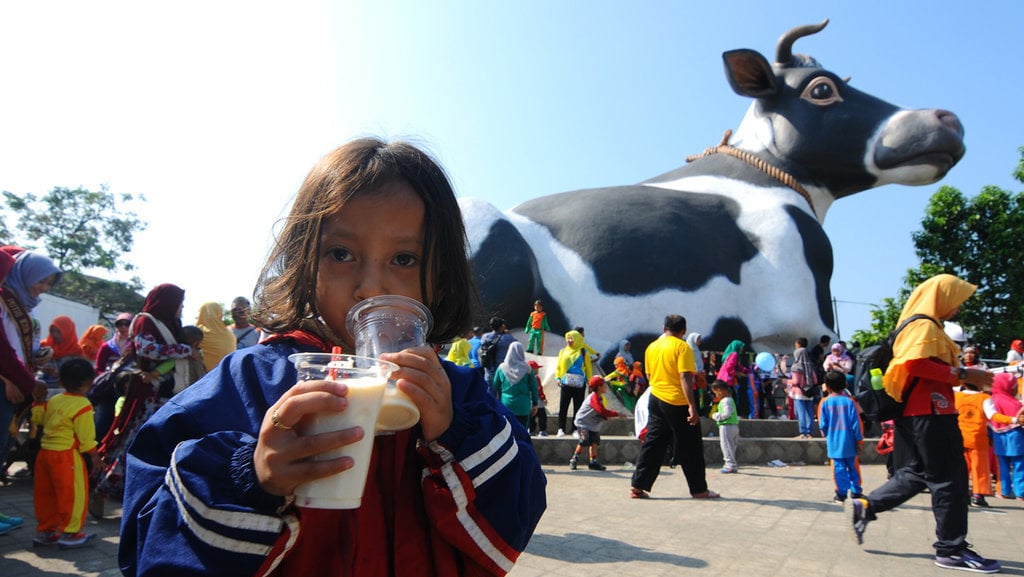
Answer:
(772, 521)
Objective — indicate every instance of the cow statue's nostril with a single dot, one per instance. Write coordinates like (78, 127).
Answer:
(950, 120)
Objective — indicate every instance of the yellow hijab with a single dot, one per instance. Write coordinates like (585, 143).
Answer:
(936, 297)
(218, 341)
(567, 356)
(459, 353)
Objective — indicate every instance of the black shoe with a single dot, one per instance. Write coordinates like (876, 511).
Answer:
(979, 501)
(859, 518)
(839, 498)
(967, 560)
(595, 465)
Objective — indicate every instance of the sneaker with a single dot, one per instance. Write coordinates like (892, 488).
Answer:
(542, 434)
(596, 465)
(560, 433)
(979, 501)
(859, 518)
(5, 528)
(572, 463)
(967, 560)
(75, 540)
(727, 470)
(14, 522)
(839, 498)
(45, 538)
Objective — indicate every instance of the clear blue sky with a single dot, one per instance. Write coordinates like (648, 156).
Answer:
(216, 110)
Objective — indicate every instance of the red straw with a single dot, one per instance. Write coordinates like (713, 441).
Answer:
(335, 356)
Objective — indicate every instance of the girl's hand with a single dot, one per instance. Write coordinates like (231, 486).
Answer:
(282, 457)
(421, 377)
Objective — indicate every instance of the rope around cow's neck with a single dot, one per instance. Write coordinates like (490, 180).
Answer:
(760, 164)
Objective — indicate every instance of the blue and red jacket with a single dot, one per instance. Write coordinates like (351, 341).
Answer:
(465, 504)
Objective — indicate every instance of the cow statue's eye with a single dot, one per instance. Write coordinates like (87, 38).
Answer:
(821, 91)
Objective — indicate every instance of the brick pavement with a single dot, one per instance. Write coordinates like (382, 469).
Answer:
(772, 521)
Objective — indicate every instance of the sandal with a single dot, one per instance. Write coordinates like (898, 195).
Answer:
(709, 494)
(635, 493)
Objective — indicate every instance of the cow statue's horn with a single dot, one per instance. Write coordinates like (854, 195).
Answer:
(784, 48)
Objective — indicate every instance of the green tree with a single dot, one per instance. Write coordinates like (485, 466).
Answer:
(110, 297)
(976, 239)
(79, 229)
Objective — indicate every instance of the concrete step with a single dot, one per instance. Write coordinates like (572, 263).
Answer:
(618, 450)
(624, 426)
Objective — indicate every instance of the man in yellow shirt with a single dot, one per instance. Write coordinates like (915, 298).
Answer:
(672, 414)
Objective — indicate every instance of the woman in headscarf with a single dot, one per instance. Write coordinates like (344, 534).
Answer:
(618, 382)
(573, 372)
(458, 353)
(838, 360)
(92, 340)
(730, 373)
(802, 388)
(638, 380)
(159, 356)
(25, 276)
(111, 350)
(63, 338)
(1006, 414)
(1016, 353)
(218, 340)
(923, 371)
(517, 385)
(625, 348)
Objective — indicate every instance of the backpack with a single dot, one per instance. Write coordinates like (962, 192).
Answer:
(879, 357)
(488, 353)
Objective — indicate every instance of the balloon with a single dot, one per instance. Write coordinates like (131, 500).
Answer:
(765, 361)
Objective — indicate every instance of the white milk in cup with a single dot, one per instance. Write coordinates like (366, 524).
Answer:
(366, 380)
(389, 324)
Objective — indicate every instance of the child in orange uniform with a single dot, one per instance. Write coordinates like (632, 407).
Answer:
(974, 428)
(61, 491)
(535, 327)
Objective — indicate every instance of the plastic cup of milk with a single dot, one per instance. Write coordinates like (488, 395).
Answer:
(389, 324)
(366, 380)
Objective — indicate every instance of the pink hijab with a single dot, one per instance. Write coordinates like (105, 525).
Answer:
(1003, 387)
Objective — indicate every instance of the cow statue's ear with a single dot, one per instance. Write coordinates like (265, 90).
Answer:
(749, 73)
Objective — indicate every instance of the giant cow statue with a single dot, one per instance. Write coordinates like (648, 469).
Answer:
(732, 240)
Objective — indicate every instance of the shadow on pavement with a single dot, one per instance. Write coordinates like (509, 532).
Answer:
(584, 548)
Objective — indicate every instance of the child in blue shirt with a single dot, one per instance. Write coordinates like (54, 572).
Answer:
(840, 425)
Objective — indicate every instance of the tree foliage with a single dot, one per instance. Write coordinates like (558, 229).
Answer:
(976, 239)
(110, 297)
(79, 229)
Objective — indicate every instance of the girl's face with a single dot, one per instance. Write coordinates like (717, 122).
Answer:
(55, 335)
(372, 246)
(42, 286)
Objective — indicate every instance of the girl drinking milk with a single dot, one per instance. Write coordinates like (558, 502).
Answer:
(211, 476)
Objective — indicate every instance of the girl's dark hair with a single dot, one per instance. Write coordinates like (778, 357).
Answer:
(286, 289)
(74, 372)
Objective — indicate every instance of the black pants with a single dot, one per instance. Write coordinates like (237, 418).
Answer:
(575, 395)
(929, 453)
(539, 421)
(667, 424)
